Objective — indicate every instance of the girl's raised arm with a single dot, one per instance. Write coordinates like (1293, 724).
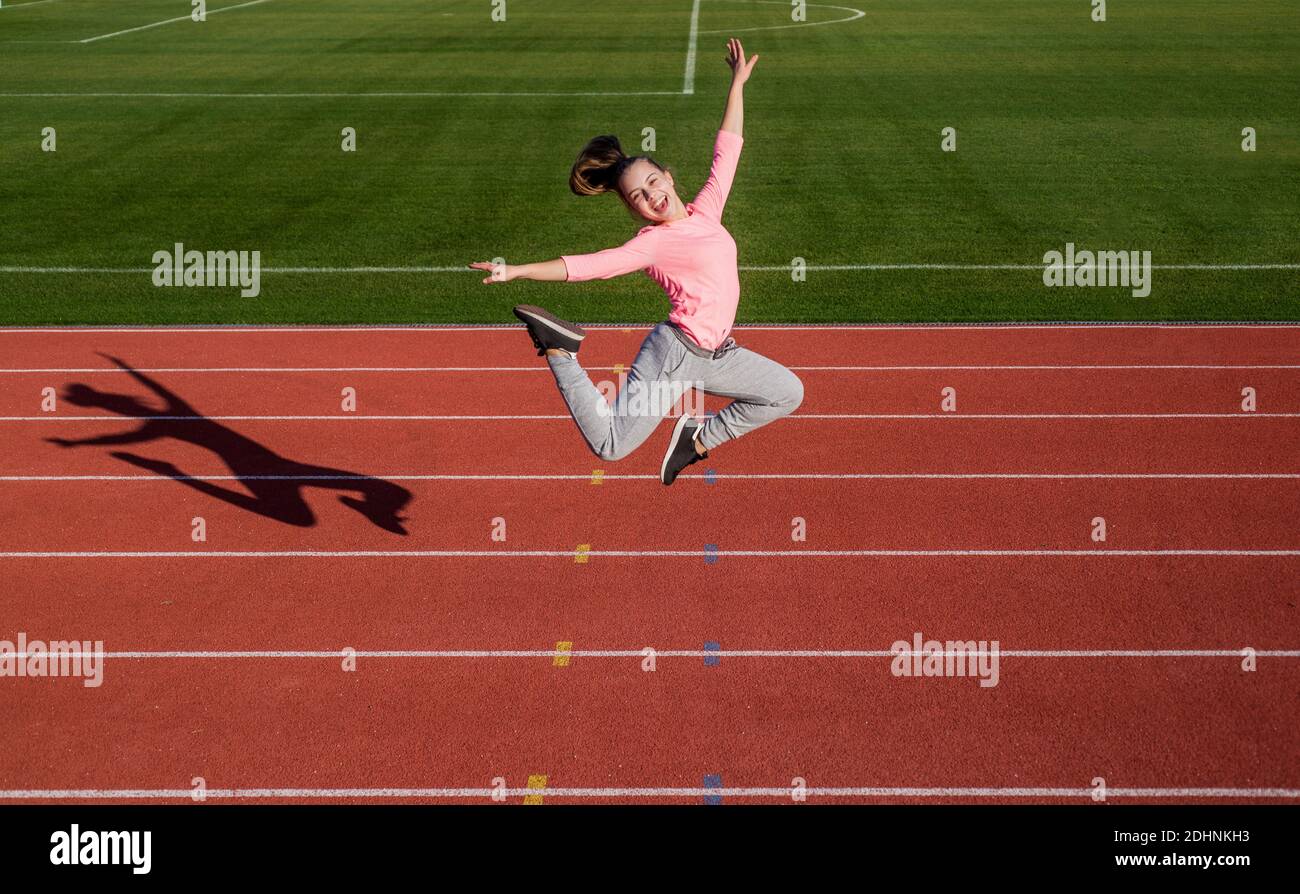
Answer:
(733, 119)
(712, 197)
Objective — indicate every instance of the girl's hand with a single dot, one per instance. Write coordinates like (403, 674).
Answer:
(500, 272)
(740, 69)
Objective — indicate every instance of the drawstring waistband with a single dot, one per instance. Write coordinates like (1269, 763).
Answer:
(728, 344)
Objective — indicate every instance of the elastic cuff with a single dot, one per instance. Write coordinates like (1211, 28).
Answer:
(703, 437)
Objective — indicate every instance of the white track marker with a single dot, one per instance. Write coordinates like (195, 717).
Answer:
(688, 85)
(779, 792)
(183, 18)
(746, 476)
(857, 14)
(646, 554)
(545, 417)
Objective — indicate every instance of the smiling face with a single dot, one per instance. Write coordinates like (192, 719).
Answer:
(650, 192)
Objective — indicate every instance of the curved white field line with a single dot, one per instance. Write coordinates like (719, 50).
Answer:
(857, 14)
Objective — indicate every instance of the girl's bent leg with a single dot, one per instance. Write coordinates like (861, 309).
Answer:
(763, 389)
(612, 432)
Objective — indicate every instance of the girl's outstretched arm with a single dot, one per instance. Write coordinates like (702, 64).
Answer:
(637, 253)
(552, 271)
(733, 119)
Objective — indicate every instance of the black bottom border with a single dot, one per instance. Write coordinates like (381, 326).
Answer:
(566, 845)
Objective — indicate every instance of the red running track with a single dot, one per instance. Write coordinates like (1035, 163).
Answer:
(1119, 659)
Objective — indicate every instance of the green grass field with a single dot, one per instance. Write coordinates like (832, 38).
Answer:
(1117, 135)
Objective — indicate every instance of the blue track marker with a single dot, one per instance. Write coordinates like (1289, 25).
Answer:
(710, 553)
(710, 476)
(713, 781)
(712, 660)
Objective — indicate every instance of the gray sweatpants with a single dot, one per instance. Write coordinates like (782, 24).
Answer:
(666, 367)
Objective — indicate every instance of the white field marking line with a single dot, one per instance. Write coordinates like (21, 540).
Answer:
(673, 653)
(640, 554)
(31, 3)
(688, 84)
(624, 368)
(186, 17)
(812, 476)
(833, 267)
(859, 14)
(372, 95)
(784, 268)
(782, 792)
(343, 417)
(426, 329)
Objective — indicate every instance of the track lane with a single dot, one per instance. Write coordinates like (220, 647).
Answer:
(554, 446)
(154, 725)
(531, 390)
(1144, 514)
(759, 604)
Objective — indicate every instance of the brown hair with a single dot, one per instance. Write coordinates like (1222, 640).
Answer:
(600, 165)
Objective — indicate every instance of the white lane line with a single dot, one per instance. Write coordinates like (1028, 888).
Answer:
(271, 418)
(641, 554)
(1236, 415)
(782, 792)
(812, 476)
(795, 416)
(183, 18)
(1033, 367)
(765, 268)
(857, 15)
(541, 369)
(325, 369)
(688, 84)
(667, 653)
(427, 329)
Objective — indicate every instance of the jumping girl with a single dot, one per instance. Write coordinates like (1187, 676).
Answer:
(691, 255)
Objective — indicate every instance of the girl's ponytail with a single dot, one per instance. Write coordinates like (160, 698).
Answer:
(599, 165)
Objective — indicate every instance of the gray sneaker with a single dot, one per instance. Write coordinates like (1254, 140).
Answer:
(549, 331)
(681, 450)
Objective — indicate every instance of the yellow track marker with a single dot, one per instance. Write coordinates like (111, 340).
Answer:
(538, 783)
(597, 476)
(580, 557)
(618, 368)
(562, 660)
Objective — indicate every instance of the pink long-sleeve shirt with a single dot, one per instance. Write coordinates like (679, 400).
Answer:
(693, 259)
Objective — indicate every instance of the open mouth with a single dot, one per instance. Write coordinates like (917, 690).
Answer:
(660, 206)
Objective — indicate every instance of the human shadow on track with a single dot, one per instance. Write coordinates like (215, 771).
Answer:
(275, 483)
